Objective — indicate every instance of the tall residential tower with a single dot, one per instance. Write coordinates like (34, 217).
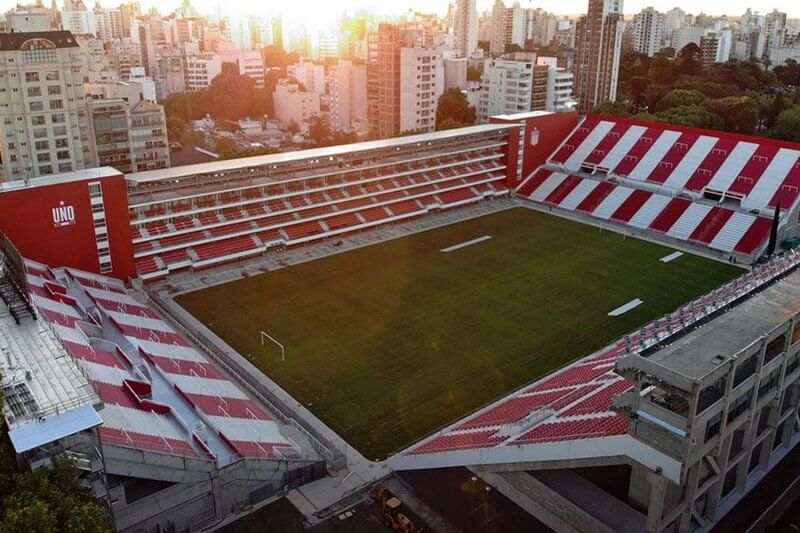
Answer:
(598, 41)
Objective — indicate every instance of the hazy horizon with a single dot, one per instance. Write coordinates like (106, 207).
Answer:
(324, 9)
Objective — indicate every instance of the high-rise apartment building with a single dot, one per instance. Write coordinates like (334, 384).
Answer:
(598, 43)
(130, 135)
(391, 65)
(75, 18)
(506, 86)
(347, 87)
(384, 81)
(42, 105)
(648, 31)
(421, 84)
(508, 27)
(466, 27)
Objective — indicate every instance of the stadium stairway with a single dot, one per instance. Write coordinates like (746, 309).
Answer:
(203, 230)
(168, 414)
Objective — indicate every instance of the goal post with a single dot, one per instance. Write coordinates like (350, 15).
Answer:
(265, 335)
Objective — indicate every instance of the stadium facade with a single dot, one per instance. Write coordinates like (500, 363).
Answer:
(174, 432)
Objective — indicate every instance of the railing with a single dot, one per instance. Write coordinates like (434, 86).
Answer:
(277, 406)
(746, 284)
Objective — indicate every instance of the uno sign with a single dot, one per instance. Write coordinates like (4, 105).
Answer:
(63, 215)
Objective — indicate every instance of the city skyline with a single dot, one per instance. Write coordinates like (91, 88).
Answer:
(323, 10)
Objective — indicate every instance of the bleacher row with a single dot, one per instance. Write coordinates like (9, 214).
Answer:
(575, 403)
(699, 223)
(132, 417)
(755, 173)
(203, 230)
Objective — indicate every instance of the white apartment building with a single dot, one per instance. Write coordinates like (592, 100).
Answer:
(130, 135)
(250, 63)
(75, 18)
(508, 27)
(421, 84)
(27, 20)
(506, 86)
(560, 84)
(200, 71)
(648, 31)
(683, 36)
(309, 74)
(455, 72)
(108, 23)
(42, 105)
(347, 91)
(292, 104)
(772, 34)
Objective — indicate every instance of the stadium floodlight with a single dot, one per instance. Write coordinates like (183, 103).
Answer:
(267, 335)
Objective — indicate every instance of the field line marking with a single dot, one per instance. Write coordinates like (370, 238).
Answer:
(671, 257)
(633, 304)
(465, 244)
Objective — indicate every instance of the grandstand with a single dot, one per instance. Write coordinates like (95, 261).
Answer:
(205, 215)
(703, 188)
(447, 315)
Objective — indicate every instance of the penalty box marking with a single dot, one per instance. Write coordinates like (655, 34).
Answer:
(671, 257)
(465, 244)
(633, 304)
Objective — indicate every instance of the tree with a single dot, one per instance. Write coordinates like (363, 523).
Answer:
(511, 48)
(453, 105)
(292, 128)
(689, 115)
(319, 131)
(611, 109)
(690, 60)
(449, 124)
(679, 97)
(739, 114)
(175, 128)
(224, 145)
(787, 127)
(473, 74)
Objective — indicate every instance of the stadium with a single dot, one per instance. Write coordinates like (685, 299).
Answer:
(530, 299)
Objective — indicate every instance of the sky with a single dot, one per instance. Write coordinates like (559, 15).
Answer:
(323, 10)
(323, 7)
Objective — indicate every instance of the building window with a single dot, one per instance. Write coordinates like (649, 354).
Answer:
(62, 143)
(57, 118)
(46, 169)
(34, 91)
(59, 130)
(65, 167)
(31, 76)
(36, 106)
(53, 90)
(42, 145)
(37, 120)
(56, 104)
(43, 158)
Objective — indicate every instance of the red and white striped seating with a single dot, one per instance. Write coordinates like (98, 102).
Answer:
(756, 172)
(714, 226)
(131, 418)
(201, 230)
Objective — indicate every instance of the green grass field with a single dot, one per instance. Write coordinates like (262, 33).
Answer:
(390, 342)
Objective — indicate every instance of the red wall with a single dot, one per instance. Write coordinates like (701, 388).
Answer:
(544, 132)
(26, 216)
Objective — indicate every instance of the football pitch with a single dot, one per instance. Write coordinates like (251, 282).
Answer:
(390, 342)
